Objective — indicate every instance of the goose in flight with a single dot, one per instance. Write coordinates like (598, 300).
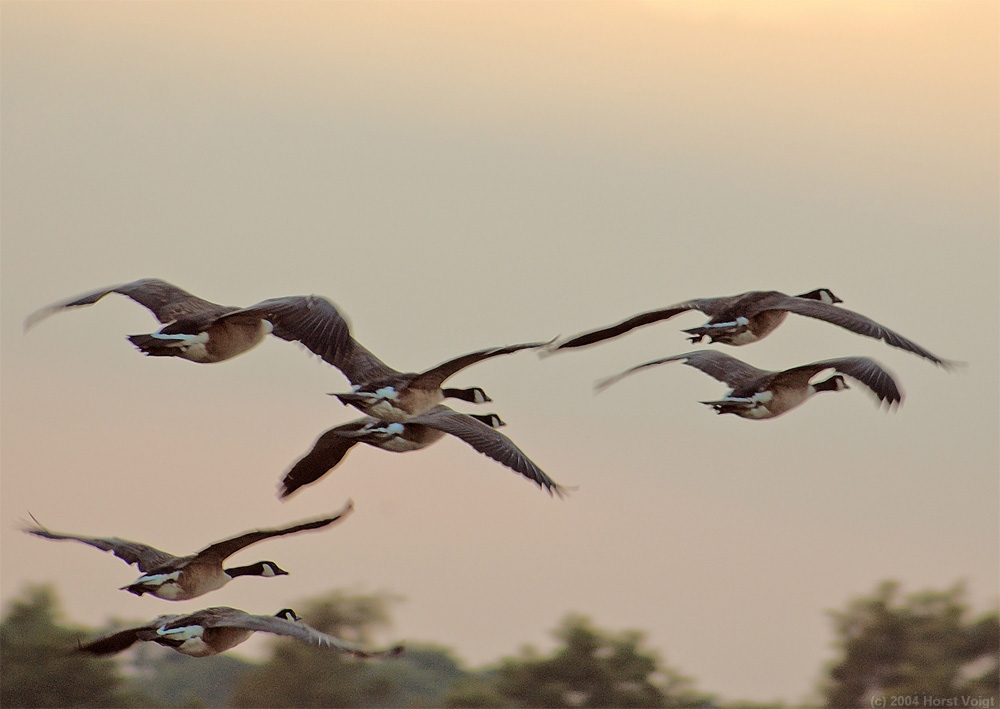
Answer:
(378, 389)
(193, 328)
(178, 578)
(213, 630)
(204, 332)
(748, 317)
(415, 433)
(761, 394)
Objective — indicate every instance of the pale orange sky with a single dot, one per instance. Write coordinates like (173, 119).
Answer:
(462, 175)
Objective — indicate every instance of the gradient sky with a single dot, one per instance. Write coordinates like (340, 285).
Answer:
(462, 175)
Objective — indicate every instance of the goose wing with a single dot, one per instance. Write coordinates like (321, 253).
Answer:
(124, 639)
(718, 365)
(222, 550)
(326, 453)
(233, 618)
(857, 323)
(144, 556)
(489, 442)
(166, 301)
(865, 370)
(436, 376)
(709, 306)
(316, 323)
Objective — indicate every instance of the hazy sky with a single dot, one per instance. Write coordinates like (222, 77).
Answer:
(462, 175)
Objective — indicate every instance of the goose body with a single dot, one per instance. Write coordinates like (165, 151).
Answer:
(762, 394)
(195, 578)
(378, 390)
(417, 432)
(178, 578)
(213, 630)
(193, 327)
(748, 317)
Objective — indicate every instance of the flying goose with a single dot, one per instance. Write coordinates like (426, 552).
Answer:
(192, 327)
(214, 630)
(760, 394)
(417, 432)
(178, 578)
(378, 389)
(748, 317)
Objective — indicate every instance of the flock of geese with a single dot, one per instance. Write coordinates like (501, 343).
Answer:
(405, 412)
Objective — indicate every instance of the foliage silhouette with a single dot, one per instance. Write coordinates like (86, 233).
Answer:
(594, 669)
(921, 646)
(40, 668)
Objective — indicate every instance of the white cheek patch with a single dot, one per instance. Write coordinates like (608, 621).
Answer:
(269, 571)
(478, 398)
(824, 297)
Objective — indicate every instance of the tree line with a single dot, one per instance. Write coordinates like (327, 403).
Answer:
(891, 649)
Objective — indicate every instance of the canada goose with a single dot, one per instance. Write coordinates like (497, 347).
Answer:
(379, 390)
(214, 630)
(760, 394)
(748, 317)
(178, 578)
(193, 329)
(417, 432)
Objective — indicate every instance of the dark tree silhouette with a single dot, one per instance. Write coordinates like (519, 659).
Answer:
(920, 646)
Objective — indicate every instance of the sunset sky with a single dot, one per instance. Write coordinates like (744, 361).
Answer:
(462, 175)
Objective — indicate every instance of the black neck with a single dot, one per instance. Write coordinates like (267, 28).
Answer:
(818, 295)
(491, 420)
(831, 384)
(463, 394)
(251, 570)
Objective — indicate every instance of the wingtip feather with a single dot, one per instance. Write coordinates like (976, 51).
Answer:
(550, 348)
(36, 317)
(602, 384)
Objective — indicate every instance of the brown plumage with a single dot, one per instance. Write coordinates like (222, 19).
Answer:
(379, 390)
(193, 327)
(177, 578)
(760, 394)
(748, 317)
(417, 432)
(213, 630)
